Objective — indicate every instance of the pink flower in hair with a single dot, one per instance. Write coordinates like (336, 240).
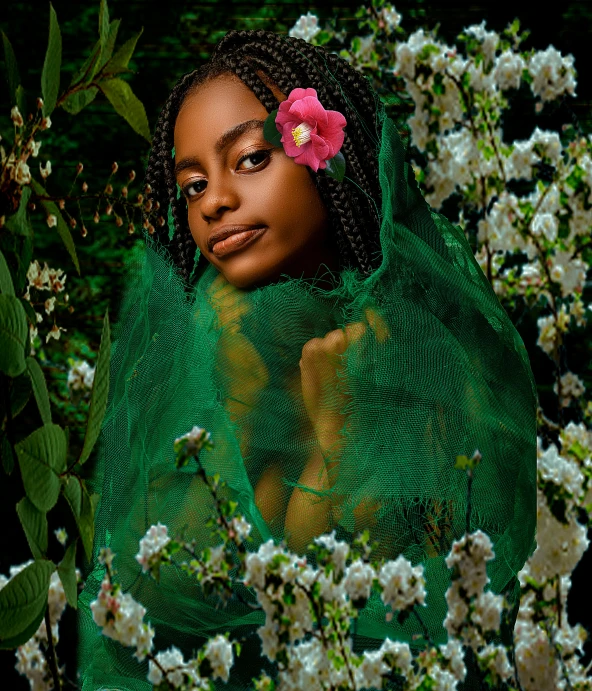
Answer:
(310, 134)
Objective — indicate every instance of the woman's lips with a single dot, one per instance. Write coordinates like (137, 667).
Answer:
(236, 241)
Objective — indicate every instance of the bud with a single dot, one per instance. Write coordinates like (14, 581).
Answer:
(130, 229)
(146, 223)
(70, 309)
(156, 206)
(2, 220)
(96, 217)
(124, 192)
(79, 168)
(39, 103)
(161, 220)
(109, 209)
(32, 206)
(84, 233)
(147, 189)
(72, 222)
(84, 187)
(148, 205)
(16, 116)
(45, 171)
(45, 123)
(151, 229)
(109, 189)
(114, 168)
(140, 198)
(30, 117)
(52, 220)
(132, 175)
(62, 204)
(118, 221)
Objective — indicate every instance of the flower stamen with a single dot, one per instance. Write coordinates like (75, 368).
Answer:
(301, 133)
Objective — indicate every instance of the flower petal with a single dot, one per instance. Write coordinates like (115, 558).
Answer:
(309, 109)
(298, 93)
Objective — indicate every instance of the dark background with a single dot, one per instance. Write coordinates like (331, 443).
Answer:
(178, 35)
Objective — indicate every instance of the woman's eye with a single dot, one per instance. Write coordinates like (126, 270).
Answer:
(191, 190)
(255, 159)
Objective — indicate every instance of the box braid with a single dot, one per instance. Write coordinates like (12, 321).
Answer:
(258, 58)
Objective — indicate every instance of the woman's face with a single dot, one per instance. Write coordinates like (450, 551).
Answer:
(232, 177)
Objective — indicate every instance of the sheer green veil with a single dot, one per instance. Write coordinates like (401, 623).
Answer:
(439, 371)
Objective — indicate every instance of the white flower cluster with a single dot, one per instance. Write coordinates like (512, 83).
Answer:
(193, 442)
(307, 27)
(552, 74)
(30, 660)
(472, 612)
(152, 547)
(122, 618)
(80, 376)
(170, 666)
(45, 279)
(391, 17)
(403, 585)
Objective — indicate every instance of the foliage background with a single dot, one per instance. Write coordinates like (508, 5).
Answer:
(173, 42)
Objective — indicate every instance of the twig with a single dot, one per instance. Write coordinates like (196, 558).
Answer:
(51, 657)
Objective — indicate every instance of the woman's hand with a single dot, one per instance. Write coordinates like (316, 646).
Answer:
(324, 392)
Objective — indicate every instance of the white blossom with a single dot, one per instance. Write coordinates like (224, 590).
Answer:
(152, 546)
(307, 27)
(45, 170)
(80, 375)
(552, 74)
(403, 585)
(219, 653)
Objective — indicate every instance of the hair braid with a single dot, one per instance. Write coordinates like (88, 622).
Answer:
(260, 58)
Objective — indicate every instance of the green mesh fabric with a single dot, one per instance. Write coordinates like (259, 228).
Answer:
(439, 371)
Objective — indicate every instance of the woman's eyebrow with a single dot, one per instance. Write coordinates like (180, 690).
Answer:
(224, 140)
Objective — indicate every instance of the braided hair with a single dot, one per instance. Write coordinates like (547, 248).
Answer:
(259, 58)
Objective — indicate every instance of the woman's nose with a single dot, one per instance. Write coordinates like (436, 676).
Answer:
(220, 195)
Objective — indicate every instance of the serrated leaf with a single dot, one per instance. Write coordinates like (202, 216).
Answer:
(19, 223)
(12, 73)
(62, 227)
(6, 285)
(14, 335)
(50, 76)
(24, 636)
(73, 494)
(6, 455)
(336, 167)
(79, 100)
(67, 573)
(42, 457)
(123, 55)
(270, 131)
(100, 391)
(39, 389)
(20, 392)
(127, 104)
(34, 524)
(23, 597)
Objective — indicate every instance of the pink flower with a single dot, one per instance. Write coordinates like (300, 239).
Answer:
(310, 134)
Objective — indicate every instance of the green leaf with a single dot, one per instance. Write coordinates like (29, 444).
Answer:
(100, 391)
(19, 223)
(24, 636)
(79, 100)
(120, 60)
(6, 285)
(73, 494)
(20, 392)
(62, 227)
(6, 454)
(12, 73)
(67, 572)
(86, 521)
(23, 597)
(50, 76)
(336, 167)
(14, 335)
(109, 43)
(42, 457)
(103, 21)
(39, 389)
(21, 99)
(126, 104)
(89, 67)
(29, 311)
(270, 131)
(34, 524)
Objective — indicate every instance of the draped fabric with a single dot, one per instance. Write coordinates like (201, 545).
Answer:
(436, 370)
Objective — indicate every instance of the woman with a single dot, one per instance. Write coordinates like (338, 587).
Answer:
(337, 339)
